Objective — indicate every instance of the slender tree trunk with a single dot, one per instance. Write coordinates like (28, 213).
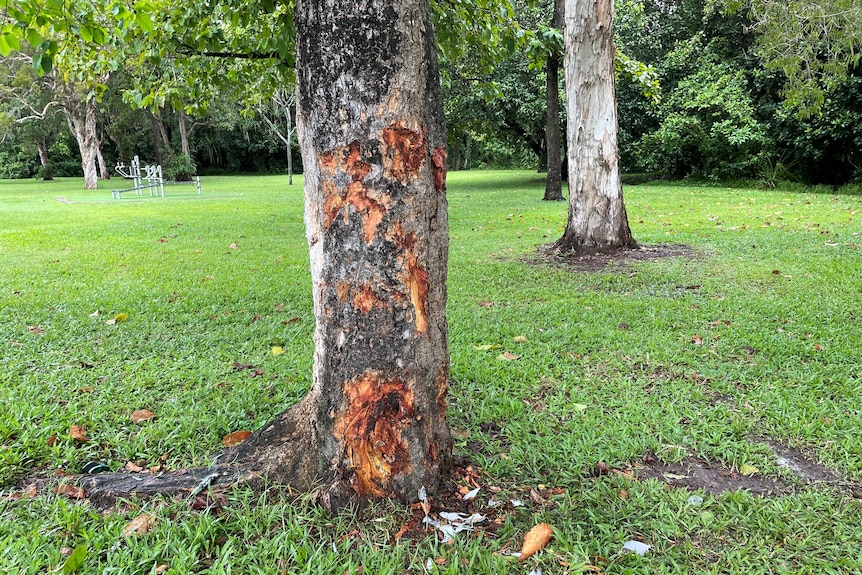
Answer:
(104, 173)
(184, 133)
(157, 144)
(372, 134)
(47, 174)
(554, 181)
(456, 154)
(288, 118)
(597, 215)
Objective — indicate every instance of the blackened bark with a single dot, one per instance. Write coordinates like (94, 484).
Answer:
(597, 215)
(554, 181)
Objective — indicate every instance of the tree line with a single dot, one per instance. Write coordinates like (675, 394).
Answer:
(704, 91)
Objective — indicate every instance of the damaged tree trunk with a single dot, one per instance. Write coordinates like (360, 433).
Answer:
(597, 215)
(370, 120)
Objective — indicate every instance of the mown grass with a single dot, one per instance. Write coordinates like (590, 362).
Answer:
(772, 292)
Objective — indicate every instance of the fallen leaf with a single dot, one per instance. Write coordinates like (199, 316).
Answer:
(78, 433)
(579, 406)
(818, 347)
(161, 569)
(485, 304)
(35, 330)
(637, 547)
(233, 246)
(237, 366)
(535, 540)
(508, 356)
(235, 438)
(141, 415)
(70, 491)
(120, 318)
(623, 326)
(86, 389)
(95, 314)
(537, 499)
(277, 350)
(520, 339)
(674, 476)
(696, 340)
(52, 441)
(279, 307)
(133, 467)
(471, 494)
(139, 525)
(747, 469)
(440, 561)
(487, 346)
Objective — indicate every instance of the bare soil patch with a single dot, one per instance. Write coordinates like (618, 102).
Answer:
(694, 473)
(597, 261)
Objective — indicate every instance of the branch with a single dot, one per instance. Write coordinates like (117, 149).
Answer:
(192, 51)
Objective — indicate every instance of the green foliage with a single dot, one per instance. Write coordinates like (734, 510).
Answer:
(16, 161)
(179, 167)
(708, 128)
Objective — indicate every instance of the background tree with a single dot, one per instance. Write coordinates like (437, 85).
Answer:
(597, 217)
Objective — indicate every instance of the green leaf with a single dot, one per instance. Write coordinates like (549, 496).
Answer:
(144, 21)
(86, 34)
(5, 48)
(75, 561)
(33, 37)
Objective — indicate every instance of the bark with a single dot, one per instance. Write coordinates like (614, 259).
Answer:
(47, 174)
(157, 144)
(553, 183)
(82, 122)
(184, 133)
(104, 173)
(456, 154)
(597, 216)
(370, 120)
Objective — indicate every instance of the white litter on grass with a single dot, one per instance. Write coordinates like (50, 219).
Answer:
(536, 571)
(429, 565)
(637, 547)
(517, 503)
(454, 523)
(695, 500)
(471, 494)
(492, 503)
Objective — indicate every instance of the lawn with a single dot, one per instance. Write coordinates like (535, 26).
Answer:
(594, 402)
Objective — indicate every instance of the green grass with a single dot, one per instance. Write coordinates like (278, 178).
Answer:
(779, 271)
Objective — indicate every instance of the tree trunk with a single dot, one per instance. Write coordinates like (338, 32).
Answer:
(47, 174)
(104, 173)
(184, 133)
(372, 134)
(597, 215)
(456, 154)
(82, 121)
(553, 183)
(157, 144)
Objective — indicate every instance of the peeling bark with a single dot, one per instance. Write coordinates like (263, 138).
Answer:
(597, 216)
(370, 121)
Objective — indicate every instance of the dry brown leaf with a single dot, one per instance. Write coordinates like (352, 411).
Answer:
(521, 339)
(86, 389)
(79, 433)
(70, 491)
(235, 438)
(485, 303)
(141, 415)
(440, 560)
(52, 441)
(134, 468)
(508, 356)
(696, 340)
(161, 569)
(139, 525)
(535, 540)
(35, 330)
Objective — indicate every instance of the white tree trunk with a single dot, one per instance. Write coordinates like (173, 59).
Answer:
(597, 215)
(82, 121)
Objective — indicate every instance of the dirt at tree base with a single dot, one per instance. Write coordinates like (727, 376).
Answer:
(592, 261)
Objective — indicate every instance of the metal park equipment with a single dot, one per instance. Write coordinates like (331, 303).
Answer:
(146, 178)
